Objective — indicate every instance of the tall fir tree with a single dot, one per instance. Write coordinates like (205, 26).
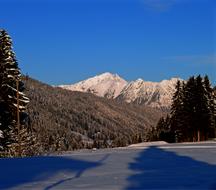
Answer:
(211, 105)
(13, 101)
(202, 111)
(177, 121)
(188, 109)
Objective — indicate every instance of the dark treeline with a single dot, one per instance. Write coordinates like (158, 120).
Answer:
(193, 113)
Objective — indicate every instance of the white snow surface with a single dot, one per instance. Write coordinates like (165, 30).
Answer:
(154, 94)
(104, 85)
(166, 166)
(144, 144)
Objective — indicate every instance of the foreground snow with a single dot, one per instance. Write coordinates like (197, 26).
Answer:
(165, 166)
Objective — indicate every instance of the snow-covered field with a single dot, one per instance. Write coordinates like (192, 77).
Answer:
(150, 166)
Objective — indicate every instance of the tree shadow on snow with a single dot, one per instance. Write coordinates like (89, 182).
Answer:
(159, 169)
(18, 171)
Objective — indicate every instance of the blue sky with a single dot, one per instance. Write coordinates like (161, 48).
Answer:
(64, 41)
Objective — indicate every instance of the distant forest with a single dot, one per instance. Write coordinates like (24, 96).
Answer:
(65, 120)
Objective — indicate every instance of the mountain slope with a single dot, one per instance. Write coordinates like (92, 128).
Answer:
(105, 85)
(66, 120)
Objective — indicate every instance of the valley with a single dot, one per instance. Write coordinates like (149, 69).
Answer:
(65, 120)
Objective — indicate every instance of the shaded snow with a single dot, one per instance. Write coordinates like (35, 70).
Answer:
(153, 167)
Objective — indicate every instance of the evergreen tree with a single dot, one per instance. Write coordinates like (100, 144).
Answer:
(189, 106)
(177, 121)
(12, 101)
(161, 124)
(211, 106)
(202, 110)
(164, 131)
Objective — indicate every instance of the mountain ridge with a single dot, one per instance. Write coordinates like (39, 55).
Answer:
(112, 86)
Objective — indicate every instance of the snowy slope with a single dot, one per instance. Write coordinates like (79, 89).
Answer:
(154, 94)
(105, 85)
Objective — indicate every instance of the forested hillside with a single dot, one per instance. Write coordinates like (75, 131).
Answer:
(65, 120)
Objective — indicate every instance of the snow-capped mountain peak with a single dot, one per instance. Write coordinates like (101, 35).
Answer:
(139, 80)
(112, 86)
(105, 85)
